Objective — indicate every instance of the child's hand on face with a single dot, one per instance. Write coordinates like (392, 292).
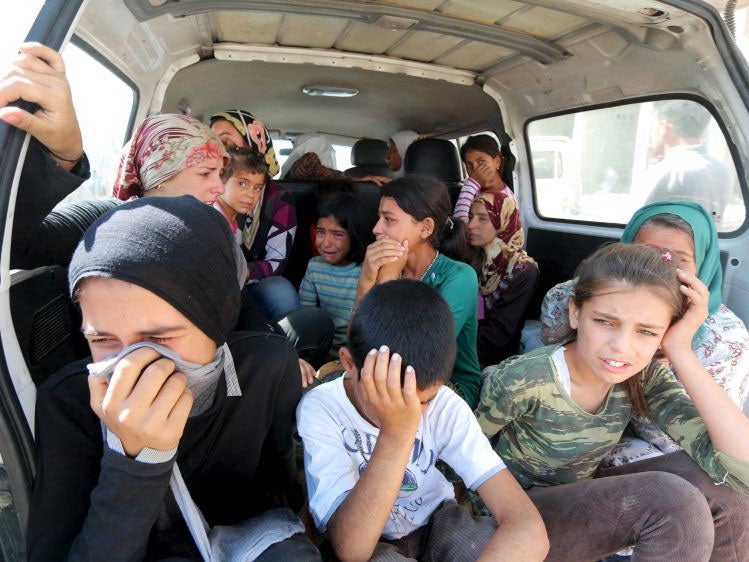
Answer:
(680, 334)
(392, 270)
(395, 409)
(385, 251)
(146, 403)
(308, 373)
(483, 174)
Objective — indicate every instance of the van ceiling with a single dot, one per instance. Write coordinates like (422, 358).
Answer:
(211, 54)
(386, 102)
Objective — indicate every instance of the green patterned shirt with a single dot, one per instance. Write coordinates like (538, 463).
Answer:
(546, 439)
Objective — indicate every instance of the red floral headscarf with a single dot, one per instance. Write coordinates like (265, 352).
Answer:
(161, 147)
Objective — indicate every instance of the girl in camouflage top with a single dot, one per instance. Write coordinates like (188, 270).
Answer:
(555, 413)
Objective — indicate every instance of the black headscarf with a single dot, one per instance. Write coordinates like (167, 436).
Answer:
(176, 247)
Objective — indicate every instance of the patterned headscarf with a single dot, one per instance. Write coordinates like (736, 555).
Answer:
(161, 147)
(704, 235)
(504, 255)
(244, 122)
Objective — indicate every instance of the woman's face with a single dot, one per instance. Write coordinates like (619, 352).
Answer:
(481, 231)
(393, 157)
(117, 314)
(202, 182)
(243, 191)
(482, 163)
(678, 241)
(398, 225)
(228, 134)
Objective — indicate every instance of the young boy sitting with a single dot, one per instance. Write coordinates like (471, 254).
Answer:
(372, 438)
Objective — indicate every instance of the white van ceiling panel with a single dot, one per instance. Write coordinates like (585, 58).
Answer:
(544, 23)
(481, 10)
(424, 46)
(474, 56)
(310, 31)
(369, 38)
(257, 27)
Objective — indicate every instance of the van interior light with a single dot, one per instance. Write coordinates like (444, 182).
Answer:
(330, 91)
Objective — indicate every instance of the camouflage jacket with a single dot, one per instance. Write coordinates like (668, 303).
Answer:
(546, 439)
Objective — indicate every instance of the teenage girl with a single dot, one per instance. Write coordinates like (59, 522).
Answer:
(556, 412)
(342, 233)
(489, 168)
(413, 235)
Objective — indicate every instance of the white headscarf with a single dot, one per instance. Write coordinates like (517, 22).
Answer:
(402, 140)
(310, 142)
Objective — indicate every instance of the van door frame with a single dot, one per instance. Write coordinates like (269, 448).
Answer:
(53, 27)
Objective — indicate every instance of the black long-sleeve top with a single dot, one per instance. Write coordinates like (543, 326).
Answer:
(237, 459)
(499, 332)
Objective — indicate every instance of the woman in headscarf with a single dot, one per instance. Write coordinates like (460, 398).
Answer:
(237, 127)
(488, 170)
(171, 155)
(397, 146)
(265, 235)
(721, 344)
(313, 159)
(268, 231)
(174, 411)
(508, 275)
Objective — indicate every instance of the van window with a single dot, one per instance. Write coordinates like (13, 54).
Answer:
(602, 165)
(342, 154)
(14, 26)
(104, 103)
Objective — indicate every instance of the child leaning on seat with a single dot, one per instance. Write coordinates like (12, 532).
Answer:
(372, 438)
(556, 412)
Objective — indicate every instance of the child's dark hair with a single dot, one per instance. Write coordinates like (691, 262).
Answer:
(412, 319)
(634, 265)
(245, 160)
(422, 197)
(487, 145)
(668, 220)
(351, 214)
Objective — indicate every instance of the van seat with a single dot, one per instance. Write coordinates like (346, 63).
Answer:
(438, 158)
(368, 158)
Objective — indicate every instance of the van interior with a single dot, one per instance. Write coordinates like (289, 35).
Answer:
(570, 86)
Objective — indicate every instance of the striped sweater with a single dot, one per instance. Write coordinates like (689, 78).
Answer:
(332, 288)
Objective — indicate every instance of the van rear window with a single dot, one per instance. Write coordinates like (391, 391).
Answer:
(601, 165)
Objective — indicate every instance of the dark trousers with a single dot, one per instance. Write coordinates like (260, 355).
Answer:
(452, 534)
(310, 330)
(667, 507)
(297, 548)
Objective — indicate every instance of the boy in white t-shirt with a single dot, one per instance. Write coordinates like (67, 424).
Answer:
(372, 438)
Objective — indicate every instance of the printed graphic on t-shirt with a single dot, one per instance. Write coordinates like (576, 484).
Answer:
(361, 443)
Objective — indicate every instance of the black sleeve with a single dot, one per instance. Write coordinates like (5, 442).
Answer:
(55, 239)
(280, 445)
(88, 503)
(43, 185)
(499, 331)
